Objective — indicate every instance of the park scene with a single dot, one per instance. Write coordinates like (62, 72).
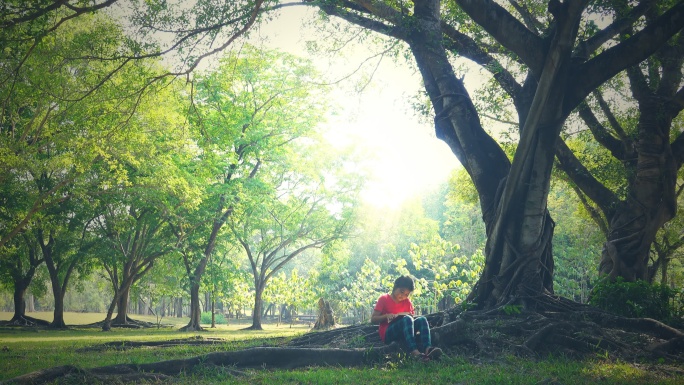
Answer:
(341, 191)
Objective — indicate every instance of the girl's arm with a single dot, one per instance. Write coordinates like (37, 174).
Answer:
(377, 317)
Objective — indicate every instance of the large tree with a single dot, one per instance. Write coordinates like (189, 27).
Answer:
(561, 67)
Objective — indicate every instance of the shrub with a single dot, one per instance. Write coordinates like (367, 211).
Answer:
(219, 318)
(637, 299)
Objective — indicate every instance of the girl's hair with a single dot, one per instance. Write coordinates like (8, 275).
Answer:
(403, 282)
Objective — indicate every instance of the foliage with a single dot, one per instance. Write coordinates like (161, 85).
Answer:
(576, 244)
(452, 275)
(219, 318)
(365, 288)
(296, 291)
(250, 118)
(638, 299)
(463, 218)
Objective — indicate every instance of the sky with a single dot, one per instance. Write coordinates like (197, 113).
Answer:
(406, 157)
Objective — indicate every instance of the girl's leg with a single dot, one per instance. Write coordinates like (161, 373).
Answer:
(422, 328)
(403, 331)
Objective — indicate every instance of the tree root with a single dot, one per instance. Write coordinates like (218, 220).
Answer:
(72, 374)
(260, 357)
(25, 321)
(126, 345)
(130, 324)
(44, 375)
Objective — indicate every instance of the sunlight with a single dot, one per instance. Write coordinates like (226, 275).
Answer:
(404, 158)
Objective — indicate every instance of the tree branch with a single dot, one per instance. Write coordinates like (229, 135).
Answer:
(624, 55)
(466, 47)
(621, 24)
(342, 11)
(590, 186)
(507, 30)
(600, 133)
(53, 7)
(614, 124)
(531, 22)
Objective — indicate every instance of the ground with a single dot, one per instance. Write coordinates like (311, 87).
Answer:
(571, 332)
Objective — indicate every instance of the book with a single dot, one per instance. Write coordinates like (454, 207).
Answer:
(399, 316)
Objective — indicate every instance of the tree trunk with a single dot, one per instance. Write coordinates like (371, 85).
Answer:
(213, 313)
(195, 279)
(652, 199)
(58, 314)
(122, 306)
(524, 261)
(31, 304)
(57, 293)
(178, 307)
(207, 301)
(258, 306)
(107, 323)
(142, 307)
(58, 288)
(195, 310)
(268, 309)
(626, 251)
(23, 280)
(19, 303)
(519, 264)
(285, 313)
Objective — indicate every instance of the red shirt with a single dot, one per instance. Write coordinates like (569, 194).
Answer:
(387, 305)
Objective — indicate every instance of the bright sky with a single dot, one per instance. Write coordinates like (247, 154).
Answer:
(408, 158)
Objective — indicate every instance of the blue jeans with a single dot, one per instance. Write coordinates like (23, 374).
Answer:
(412, 331)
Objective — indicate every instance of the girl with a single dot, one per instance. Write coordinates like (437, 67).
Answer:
(394, 312)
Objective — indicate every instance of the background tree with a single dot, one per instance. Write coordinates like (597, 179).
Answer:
(131, 224)
(245, 113)
(643, 136)
(17, 270)
(305, 204)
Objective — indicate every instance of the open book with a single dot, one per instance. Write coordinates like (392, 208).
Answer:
(399, 316)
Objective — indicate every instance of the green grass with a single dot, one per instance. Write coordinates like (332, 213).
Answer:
(72, 318)
(27, 350)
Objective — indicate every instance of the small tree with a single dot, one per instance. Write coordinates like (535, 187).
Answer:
(302, 213)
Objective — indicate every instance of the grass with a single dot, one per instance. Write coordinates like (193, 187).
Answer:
(27, 350)
(72, 318)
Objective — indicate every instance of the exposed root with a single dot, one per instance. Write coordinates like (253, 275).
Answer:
(130, 324)
(126, 345)
(25, 321)
(261, 357)
(191, 328)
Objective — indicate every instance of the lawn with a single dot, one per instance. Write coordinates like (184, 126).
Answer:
(26, 350)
